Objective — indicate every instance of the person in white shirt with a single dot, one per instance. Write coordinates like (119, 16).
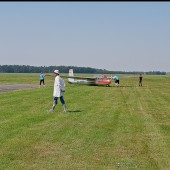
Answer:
(59, 89)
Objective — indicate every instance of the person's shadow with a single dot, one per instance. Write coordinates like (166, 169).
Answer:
(74, 111)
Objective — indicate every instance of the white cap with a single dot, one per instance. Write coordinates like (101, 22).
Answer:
(56, 71)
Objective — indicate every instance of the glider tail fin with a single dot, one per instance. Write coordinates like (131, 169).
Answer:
(71, 80)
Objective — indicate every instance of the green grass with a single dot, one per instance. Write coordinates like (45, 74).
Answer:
(104, 127)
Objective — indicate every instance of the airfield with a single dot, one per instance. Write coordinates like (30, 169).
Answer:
(104, 128)
(13, 87)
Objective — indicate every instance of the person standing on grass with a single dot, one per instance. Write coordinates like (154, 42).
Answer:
(140, 80)
(42, 79)
(59, 89)
(116, 80)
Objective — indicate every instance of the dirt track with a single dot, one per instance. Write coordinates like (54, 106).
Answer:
(12, 87)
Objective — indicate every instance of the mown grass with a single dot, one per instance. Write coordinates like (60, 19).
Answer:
(104, 127)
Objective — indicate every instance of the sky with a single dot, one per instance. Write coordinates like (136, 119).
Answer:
(116, 36)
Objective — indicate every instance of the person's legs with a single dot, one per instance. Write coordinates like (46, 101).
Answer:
(54, 104)
(63, 102)
(117, 82)
(40, 83)
(43, 83)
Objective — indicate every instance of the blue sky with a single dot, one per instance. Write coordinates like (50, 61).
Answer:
(122, 36)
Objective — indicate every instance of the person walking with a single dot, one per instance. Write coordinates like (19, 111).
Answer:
(58, 92)
(42, 79)
(140, 80)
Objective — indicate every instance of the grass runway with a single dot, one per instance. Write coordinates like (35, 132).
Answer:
(104, 128)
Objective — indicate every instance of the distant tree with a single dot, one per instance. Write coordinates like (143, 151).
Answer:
(65, 69)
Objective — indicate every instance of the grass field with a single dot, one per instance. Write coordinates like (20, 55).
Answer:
(104, 128)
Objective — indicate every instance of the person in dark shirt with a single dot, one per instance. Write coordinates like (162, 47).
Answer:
(140, 80)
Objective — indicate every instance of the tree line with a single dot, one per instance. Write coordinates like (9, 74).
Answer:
(65, 69)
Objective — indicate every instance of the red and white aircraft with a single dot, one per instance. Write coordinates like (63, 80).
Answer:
(95, 81)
